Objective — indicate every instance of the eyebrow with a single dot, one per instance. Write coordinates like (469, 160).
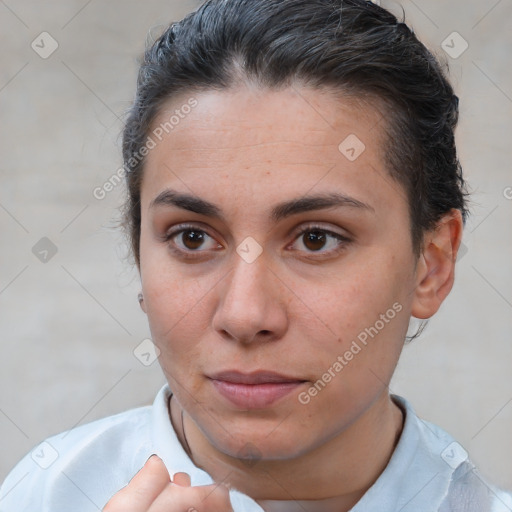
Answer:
(280, 211)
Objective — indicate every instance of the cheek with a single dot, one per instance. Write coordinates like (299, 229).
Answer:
(175, 308)
(355, 364)
(365, 310)
(172, 302)
(354, 297)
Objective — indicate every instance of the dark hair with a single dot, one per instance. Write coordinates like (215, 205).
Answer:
(353, 47)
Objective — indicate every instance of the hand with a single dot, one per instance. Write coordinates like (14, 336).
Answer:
(152, 490)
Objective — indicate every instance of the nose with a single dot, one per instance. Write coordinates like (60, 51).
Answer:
(252, 303)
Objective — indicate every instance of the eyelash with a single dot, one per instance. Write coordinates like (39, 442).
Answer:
(189, 254)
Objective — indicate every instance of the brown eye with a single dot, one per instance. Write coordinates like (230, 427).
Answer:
(189, 241)
(192, 239)
(314, 240)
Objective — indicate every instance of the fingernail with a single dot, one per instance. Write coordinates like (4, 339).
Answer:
(152, 455)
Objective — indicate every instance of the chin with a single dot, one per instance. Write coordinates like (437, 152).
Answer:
(262, 444)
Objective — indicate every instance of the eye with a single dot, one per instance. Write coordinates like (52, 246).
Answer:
(189, 239)
(315, 238)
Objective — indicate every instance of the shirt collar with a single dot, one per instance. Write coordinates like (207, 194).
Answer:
(416, 478)
(168, 447)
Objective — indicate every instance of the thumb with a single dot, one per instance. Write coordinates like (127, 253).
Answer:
(143, 488)
(182, 479)
(218, 498)
(153, 474)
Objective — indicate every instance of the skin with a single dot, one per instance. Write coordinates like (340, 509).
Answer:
(151, 490)
(299, 305)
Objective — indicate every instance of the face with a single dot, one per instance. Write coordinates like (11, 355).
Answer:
(319, 294)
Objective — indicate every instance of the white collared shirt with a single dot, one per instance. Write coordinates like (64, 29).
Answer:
(81, 469)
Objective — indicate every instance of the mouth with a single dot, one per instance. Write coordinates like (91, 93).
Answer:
(256, 377)
(255, 390)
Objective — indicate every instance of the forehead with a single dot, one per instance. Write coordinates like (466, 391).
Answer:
(298, 114)
(269, 144)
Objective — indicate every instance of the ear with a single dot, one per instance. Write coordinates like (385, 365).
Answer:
(435, 271)
(141, 302)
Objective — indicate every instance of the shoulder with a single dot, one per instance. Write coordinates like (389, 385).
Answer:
(470, 492)
(87, 463)
(456, 484)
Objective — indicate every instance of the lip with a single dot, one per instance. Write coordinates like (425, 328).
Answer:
(255, 377)
(256, 390)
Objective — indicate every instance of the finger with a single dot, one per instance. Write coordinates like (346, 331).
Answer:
(182, 479)
(143, 488)
(202, 498)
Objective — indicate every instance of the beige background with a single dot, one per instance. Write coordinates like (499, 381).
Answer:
(69, 326)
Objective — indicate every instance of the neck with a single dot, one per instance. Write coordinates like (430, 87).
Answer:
(333, 477)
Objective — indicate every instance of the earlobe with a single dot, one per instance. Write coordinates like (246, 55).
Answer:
(141, 302)
(435, 271)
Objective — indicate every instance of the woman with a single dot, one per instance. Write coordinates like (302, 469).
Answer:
(295, 197)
